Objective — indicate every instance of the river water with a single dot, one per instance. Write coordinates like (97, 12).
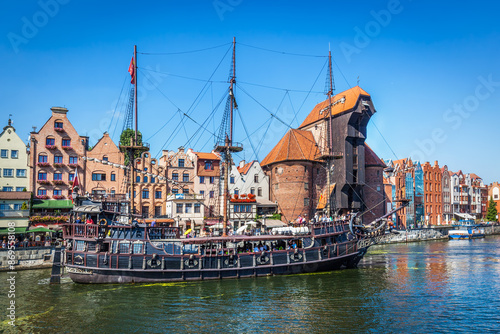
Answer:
(426, 287)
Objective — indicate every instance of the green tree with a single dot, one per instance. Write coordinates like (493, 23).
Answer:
(125, 140)
(491, 215)
(24, 206)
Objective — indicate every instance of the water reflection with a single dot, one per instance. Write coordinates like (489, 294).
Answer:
(421, 287)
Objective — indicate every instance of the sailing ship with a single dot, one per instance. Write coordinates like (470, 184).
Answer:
(116, 248)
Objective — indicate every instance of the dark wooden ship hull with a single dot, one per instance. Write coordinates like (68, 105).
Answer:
(94, 255)
(91, 274)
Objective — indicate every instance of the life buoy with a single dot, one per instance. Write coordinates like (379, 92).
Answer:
(103, 222)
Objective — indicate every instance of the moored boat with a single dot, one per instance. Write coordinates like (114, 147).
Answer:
(114, 247)
(466, 229)
(107, 251)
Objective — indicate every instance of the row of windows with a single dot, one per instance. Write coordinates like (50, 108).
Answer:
(185, 177)
(12, 188)
(252, 191)
(58, 159)
(242, 208)
(211, 179)
(187, 207)
(51, 141)
(102, 176)
(10, 207)
(55, 192)
(145, 194)
(9, 172)
(231, 179)
(42, 176)
(211, 194)
(145, 179)
(184, 191)
(66, 142)
(14, 154)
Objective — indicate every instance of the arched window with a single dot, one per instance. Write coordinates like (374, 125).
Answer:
(98, 176)
(43, 158)
(66, 142)
(104, 158)
(58, 125)
(113, 176)
(50, 141)
(145, 179)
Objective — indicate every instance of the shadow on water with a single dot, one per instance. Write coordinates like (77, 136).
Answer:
(421, 287)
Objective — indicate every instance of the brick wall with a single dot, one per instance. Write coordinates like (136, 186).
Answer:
(374, 196)
(76, 149)
(105, 149)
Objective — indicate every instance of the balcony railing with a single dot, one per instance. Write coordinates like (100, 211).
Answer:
(173, 197)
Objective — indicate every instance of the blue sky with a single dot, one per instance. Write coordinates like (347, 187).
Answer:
(432, 69)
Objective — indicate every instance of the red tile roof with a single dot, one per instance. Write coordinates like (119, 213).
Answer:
(243, 170)
(351, 98)
(474, 176)
(295, 145)
(19, 195)
(371, 159)
(207, 156)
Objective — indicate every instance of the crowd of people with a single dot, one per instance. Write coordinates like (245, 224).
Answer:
(25, 240)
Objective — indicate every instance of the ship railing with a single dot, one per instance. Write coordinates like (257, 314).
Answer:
(330, 227)
(80, 230)
(163, 232)
(94, 230)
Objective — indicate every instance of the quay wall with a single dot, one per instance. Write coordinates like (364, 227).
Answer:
(27, 258)
(424, 234)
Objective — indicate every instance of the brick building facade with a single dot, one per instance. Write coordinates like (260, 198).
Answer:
(298, 165)
(374, 192)
(103, 175)
(54, 156)
(149, 192)
(433, 205)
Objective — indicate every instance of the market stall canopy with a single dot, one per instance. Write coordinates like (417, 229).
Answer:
(40, 229)
(17, 230)
(218, 225)
(274, 223)
(52, 204)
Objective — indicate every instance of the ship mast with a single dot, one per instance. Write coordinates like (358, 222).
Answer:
(135, 144)
(227, 146)
(330, 135)
(330, 154)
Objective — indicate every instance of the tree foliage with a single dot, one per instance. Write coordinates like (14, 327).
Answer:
(492, 211)
(125, 140)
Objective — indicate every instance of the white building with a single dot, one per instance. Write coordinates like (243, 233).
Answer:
(187, 210)
(13, 161)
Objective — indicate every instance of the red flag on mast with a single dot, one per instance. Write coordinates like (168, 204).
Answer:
(131, 70)
(76, 183)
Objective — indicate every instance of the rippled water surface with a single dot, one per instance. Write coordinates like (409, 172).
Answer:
(440, 286)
